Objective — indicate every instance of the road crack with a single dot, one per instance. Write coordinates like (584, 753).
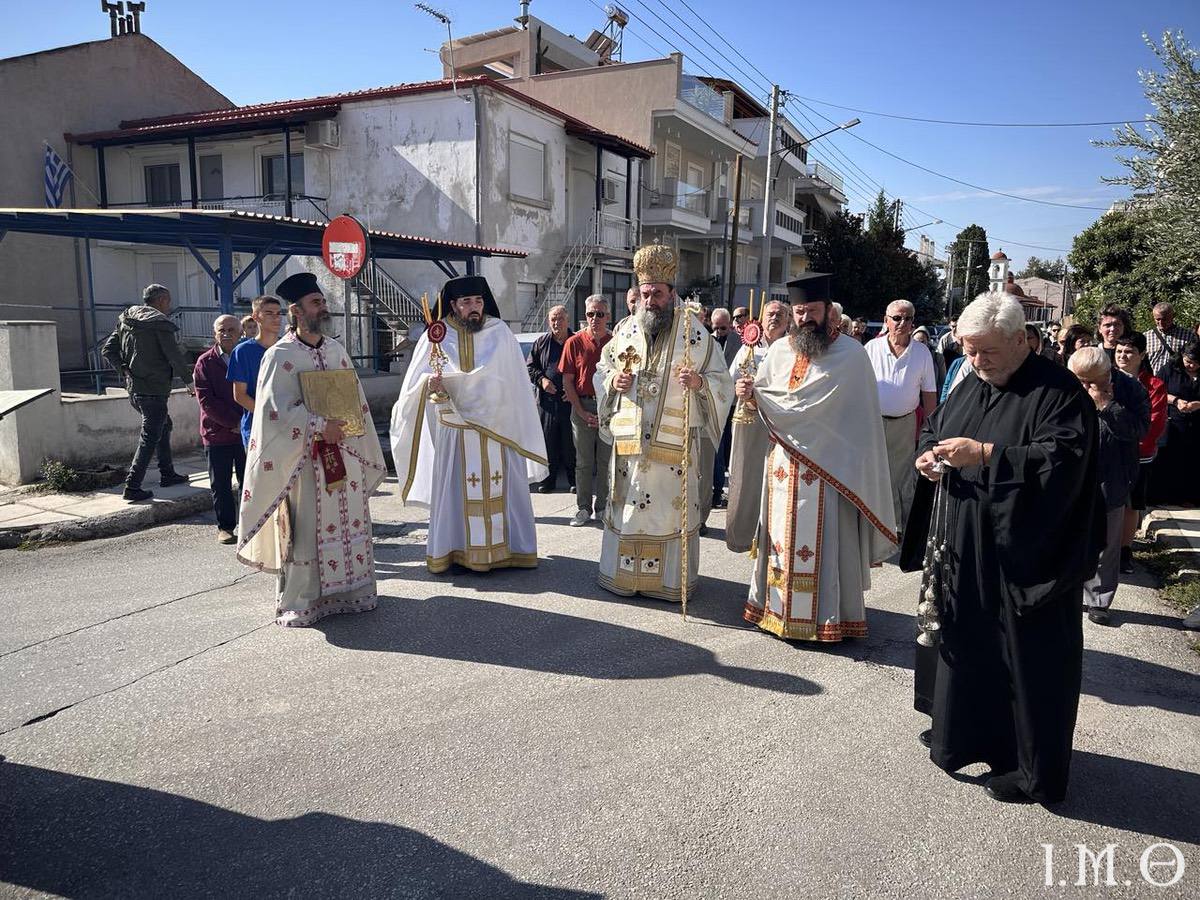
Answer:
(120, 687)
(125, 615)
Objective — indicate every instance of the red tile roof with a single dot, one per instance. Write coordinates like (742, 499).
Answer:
(294, 111)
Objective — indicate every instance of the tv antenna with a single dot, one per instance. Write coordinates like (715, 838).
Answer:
(445, 20)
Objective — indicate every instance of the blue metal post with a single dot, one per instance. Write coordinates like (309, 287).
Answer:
(225, 273)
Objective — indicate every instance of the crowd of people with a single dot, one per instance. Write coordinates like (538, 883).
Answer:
(1009, 465)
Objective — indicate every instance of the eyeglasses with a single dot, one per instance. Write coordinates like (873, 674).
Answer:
(596, 314)
(901, 318)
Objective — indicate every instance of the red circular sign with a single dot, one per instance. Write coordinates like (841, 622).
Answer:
(344, 247)
(751, 334)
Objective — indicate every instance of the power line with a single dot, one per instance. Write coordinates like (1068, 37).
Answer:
(872, 112)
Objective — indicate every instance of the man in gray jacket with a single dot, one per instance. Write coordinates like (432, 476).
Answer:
(145, 350)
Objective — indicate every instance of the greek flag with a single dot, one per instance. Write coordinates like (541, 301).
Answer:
(58, 173)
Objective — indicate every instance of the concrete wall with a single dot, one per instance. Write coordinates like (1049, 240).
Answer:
(618, 99)
(86, 87)
(82, 430)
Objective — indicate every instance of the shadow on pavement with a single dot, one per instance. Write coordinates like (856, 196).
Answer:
(74, 836)
(1134, 796)
(471, 629)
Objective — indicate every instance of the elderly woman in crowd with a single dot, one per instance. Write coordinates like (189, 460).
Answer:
(1132, 360)
(1124, 418)
(1175, 479)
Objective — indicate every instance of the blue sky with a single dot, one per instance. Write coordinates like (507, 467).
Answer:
(1017, 61)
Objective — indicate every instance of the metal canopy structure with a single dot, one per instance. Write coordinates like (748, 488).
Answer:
(229, 231)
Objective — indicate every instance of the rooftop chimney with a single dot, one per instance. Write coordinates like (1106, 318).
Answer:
(121, 22)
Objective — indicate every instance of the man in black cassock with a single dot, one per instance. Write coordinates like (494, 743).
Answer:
(1023, 531)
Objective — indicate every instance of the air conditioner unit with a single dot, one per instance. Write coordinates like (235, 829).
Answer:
(613, 191)
(323, 134)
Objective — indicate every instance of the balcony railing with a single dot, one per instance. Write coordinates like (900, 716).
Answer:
(680, 195)
(822, 172)
(303, 205)
(616, 233)
(696, 93)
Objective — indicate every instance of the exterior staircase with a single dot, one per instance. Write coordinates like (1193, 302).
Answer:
(604, 235)
(392, 305)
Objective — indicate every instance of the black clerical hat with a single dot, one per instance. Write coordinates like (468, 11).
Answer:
(292, 288)
(810, 287)
(470, 286)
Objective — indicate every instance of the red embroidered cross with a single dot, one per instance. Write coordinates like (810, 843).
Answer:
(333, 564)
(366, 408)
(780, 473)
(359, 557)
(357, 522)
(809, 477)
(354, 485)
(253, 444)
(245, 495)
(273, 415)
(329, 528)
(295, 434)
(287, 367)
(805, 554)
(268, 466)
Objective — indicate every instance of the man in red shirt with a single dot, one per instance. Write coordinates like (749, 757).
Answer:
(580, 355)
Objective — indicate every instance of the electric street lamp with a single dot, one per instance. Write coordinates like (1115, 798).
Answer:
(926, 225)
(764, 265)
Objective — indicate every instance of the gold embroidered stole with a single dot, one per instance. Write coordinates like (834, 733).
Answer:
(648, 420)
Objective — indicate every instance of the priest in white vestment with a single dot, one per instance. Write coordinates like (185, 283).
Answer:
(827, 514)
(750, 443)
(470, 458)
(305, 515)
(654, 356)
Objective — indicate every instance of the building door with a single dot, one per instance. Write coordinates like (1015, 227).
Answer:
(582, 201)
(614, 286)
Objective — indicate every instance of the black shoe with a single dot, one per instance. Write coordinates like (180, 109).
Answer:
(1004, 788)
(136, 495)
(1126, 565)
(1098, 616)
(173, 479)
(544, 489)
(703, 530)
(926, 738)
(572, 489)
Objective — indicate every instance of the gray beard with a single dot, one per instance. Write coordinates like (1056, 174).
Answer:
(471, 325)
(322, 325)
(810, 342)
(654, 321)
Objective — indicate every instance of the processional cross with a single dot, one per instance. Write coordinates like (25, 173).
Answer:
(630, 358)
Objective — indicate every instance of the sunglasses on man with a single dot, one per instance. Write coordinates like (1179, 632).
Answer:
(596, 314)
(901, 318)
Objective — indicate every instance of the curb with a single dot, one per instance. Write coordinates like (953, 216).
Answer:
(124, 521)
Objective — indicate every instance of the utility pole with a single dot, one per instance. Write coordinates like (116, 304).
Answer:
(896, 219)
(768, 229)
(731, 253)
(967, 273)
(950, 284)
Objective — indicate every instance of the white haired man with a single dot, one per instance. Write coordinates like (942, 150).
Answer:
(1018, 528)
(577, 368)
(906, 377)
(1166, 338)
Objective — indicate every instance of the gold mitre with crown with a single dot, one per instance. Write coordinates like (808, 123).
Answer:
(655, 263)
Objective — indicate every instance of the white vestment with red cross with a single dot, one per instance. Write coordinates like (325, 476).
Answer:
(315, 537)
(827, 513)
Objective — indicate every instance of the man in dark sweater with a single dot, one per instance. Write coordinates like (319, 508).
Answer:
(144, 349)
(220, 424)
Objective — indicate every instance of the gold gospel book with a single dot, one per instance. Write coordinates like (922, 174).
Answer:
(334, 395)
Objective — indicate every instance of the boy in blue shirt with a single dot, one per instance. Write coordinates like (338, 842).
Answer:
(246, 358)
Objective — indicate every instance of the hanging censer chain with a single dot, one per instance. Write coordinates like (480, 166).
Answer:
(935, 576)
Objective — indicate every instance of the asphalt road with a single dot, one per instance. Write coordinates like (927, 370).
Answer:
(524, 734)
